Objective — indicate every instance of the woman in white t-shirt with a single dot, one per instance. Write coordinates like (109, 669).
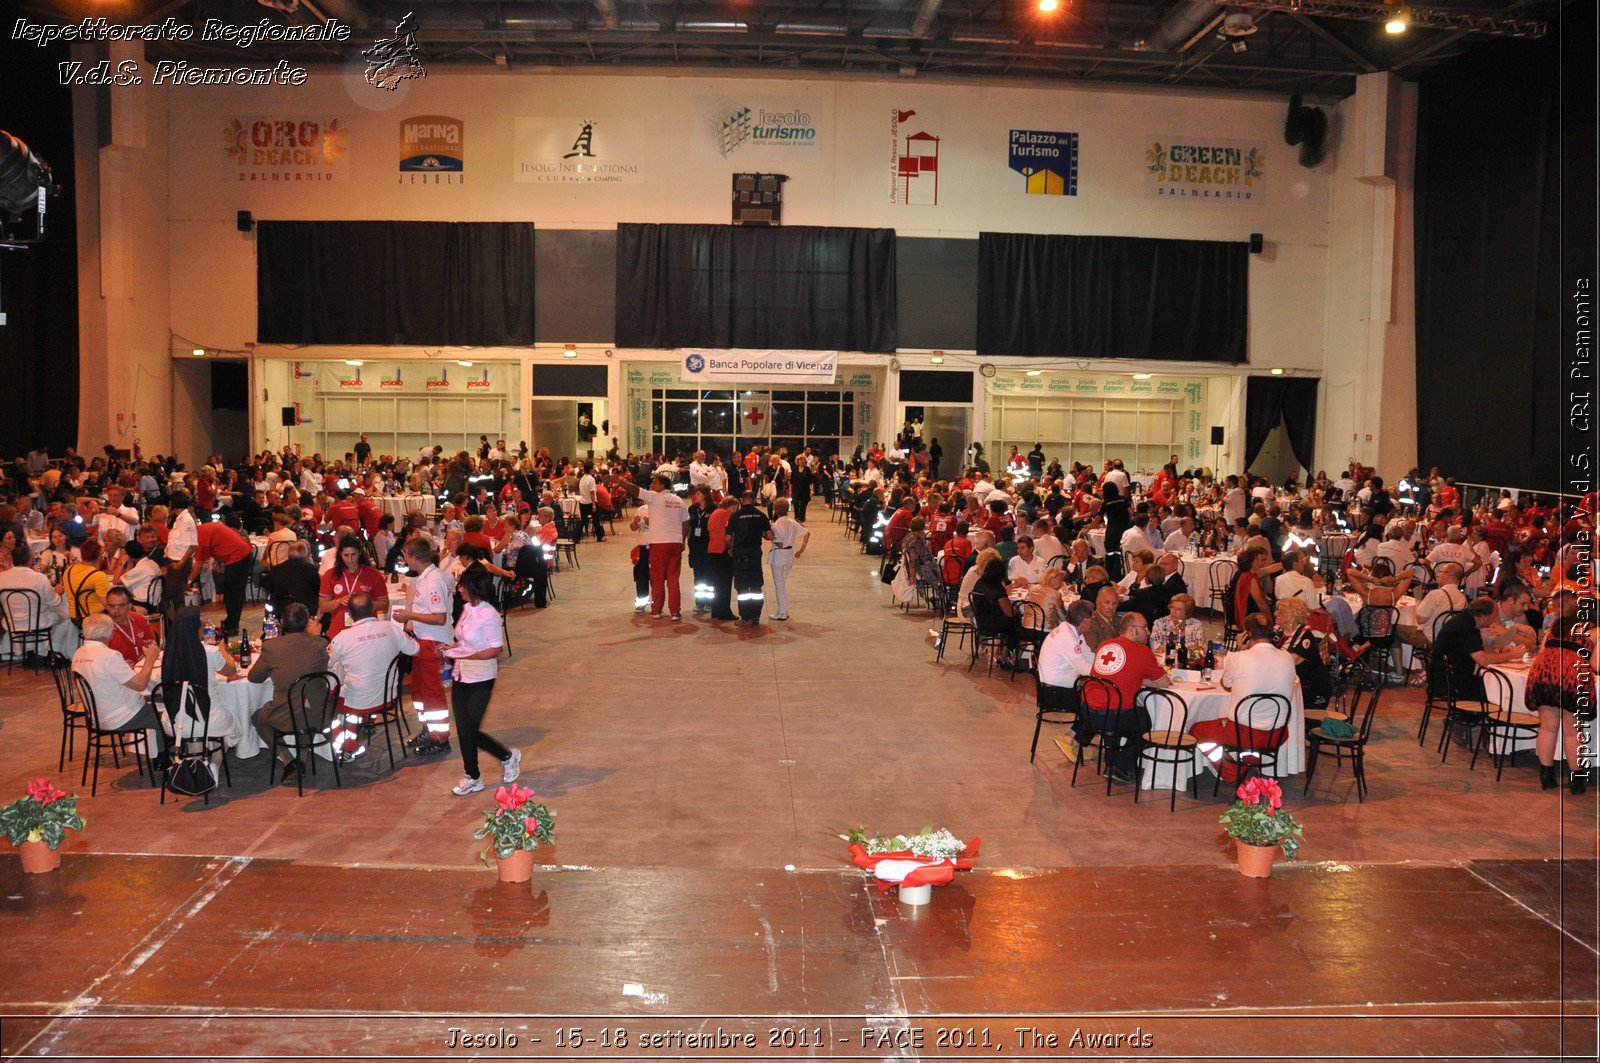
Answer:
(476, 654)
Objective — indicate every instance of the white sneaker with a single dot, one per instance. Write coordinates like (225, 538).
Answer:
(511, 767)
(468, 785)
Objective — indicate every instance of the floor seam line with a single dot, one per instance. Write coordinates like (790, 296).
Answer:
(1563, 931)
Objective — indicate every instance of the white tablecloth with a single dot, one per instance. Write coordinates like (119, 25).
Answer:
(241, 698)
(1406, 607)
(569, 505)
(397, 506)
(1217, 704)
(1097, 541)
(1197, 576)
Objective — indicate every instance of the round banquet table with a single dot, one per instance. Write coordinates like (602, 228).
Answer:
(1209, 701)
(239, 698)
(569, 505)
(38, 546)
(1097, 541)
(1197, 576)
(397, 506)
(1516, 672)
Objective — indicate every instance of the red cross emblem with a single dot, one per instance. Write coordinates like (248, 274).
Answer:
(1107, 658)
(755, 416)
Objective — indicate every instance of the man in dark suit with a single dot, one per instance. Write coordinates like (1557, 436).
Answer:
(299, 650)
(1165, 582)
(295, 579)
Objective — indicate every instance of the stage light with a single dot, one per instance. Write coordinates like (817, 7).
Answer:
(1277, 372)
(355, 362)
(1141, 376)
(1047, 5)
(1399, 20)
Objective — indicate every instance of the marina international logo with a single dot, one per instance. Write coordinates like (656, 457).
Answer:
(432, 150)
(694, 363)
(1048, 162)
(732, 128)
(1222, 171)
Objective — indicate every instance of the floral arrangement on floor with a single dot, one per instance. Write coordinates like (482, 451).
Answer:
(517, 823)
(45, 815)
(1259, 818)
(928, 858)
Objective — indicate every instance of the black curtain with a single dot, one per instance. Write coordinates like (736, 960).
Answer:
(803, 287)
(1269, 400)
(39, 286)
(386, 282)
(1112, 297)
(1505, 206)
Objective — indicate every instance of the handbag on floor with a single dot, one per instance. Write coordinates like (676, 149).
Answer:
(190, 774)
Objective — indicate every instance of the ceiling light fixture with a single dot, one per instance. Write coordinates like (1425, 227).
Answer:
(355, 362)
(1141, 376)
(199, 352)
(1035, 372)
(1278, 372)
(464, 365)
(569, 353)
(1399, 20)
(937, 359)
(1048, 5)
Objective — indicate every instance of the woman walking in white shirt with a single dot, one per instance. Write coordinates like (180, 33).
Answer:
(476, 655)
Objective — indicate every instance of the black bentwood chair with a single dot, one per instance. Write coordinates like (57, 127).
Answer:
(1173, 745)
(1352, 747)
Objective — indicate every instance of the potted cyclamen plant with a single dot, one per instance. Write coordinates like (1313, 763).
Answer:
(1259, 826)
(38, 824)
(515, 827)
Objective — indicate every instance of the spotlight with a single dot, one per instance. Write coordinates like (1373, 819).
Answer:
(1048, 5)
(25, 182)
(1399, 20)
(1277, 372)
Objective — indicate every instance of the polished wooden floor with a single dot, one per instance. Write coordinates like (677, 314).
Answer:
(698, 897)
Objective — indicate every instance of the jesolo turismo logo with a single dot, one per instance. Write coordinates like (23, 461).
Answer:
(1048, 162)
(732, 128)
(1220, 171)
(482, 383)
(348, 381)
(440, 381)
(392, 381)
(913, 162)
(432, 150)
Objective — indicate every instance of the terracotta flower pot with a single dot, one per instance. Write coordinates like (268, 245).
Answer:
(38, 858)
(1255, 861)
(518, 867)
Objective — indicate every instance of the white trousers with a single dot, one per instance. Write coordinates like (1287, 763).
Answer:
(781, 561)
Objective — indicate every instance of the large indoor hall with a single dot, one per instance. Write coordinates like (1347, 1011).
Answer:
(794, 529)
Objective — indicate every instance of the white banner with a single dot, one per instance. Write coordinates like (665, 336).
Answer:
(758, 367)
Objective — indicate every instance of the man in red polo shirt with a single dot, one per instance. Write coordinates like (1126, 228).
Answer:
(233, 553)
(1127, 663)
(345, 512)
(130, 632)
(369, 512)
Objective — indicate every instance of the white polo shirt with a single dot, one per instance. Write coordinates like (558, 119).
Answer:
(1064, 657)
(433, 591)
(360, 656)
(107, 671)
(667, 515)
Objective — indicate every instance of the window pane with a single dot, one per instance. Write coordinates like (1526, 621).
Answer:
(716, 394)
(823, 396)
(679, 393)
(655, 418)
(683, 417)
(678, 446)
(822, 420)
(717, 446)
(788, 396)
(657, 393)
(824, 446)
(795, 445)
(788, 418)
(716, 417)
(847, 419)
(655, 444)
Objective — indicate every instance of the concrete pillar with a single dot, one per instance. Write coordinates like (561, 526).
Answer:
(1369, 402)
(125, 353)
